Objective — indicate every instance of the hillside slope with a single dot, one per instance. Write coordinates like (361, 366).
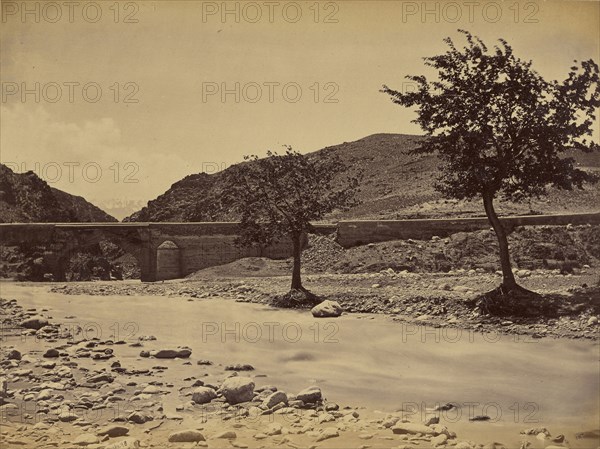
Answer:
(25, 198)
(396, 185)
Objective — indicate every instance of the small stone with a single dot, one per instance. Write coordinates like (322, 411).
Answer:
(439, 440)
(279, 397)
(182, 353)
(100, 378)
(239, 367)
(274, 429)
(203, 395)
(327, 309)
(125, 443)
(238, 389)
(51, 353)
(138, 418)
(14, 355)
(186, 436)
(329, 432)
(480, 418)
(432, 420)
(86, 439)
(226, 435)
(310, 395)
(326, 417)
(412, 429)
(44, 395)
(113, 431)
(151, 389)
(34, 322)
(67, 416)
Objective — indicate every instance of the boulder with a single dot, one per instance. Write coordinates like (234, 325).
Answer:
(238, 389)
(327, 309)
(203, 395)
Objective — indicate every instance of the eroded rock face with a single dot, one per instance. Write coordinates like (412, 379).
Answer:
(327, 309)
(238, 389)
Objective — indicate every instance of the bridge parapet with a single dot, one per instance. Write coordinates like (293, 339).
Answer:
(360, 232)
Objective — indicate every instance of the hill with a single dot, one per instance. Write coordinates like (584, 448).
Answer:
(396, 185)
(25, 197)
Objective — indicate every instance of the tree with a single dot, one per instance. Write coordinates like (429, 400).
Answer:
(278, 196)
(499, 128)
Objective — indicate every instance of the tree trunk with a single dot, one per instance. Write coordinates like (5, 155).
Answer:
(296, 280)
(508, 278)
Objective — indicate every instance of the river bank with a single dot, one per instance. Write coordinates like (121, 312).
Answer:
(373, 373)
(434, 299)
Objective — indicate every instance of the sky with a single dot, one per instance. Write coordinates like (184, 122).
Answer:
(116, 101)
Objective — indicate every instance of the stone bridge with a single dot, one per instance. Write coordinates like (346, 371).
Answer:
(174, 250)
(163, 250)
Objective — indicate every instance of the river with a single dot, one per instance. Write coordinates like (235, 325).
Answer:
(363, 359)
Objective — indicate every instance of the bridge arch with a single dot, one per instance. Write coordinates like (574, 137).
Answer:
(78, 240)
(168, 261)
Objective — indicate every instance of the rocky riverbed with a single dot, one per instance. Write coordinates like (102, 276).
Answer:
(61, 388)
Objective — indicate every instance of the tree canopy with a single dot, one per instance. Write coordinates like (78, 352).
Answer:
(499, 127)
(280, 195)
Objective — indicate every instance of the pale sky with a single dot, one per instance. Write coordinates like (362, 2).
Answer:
(179, 55)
